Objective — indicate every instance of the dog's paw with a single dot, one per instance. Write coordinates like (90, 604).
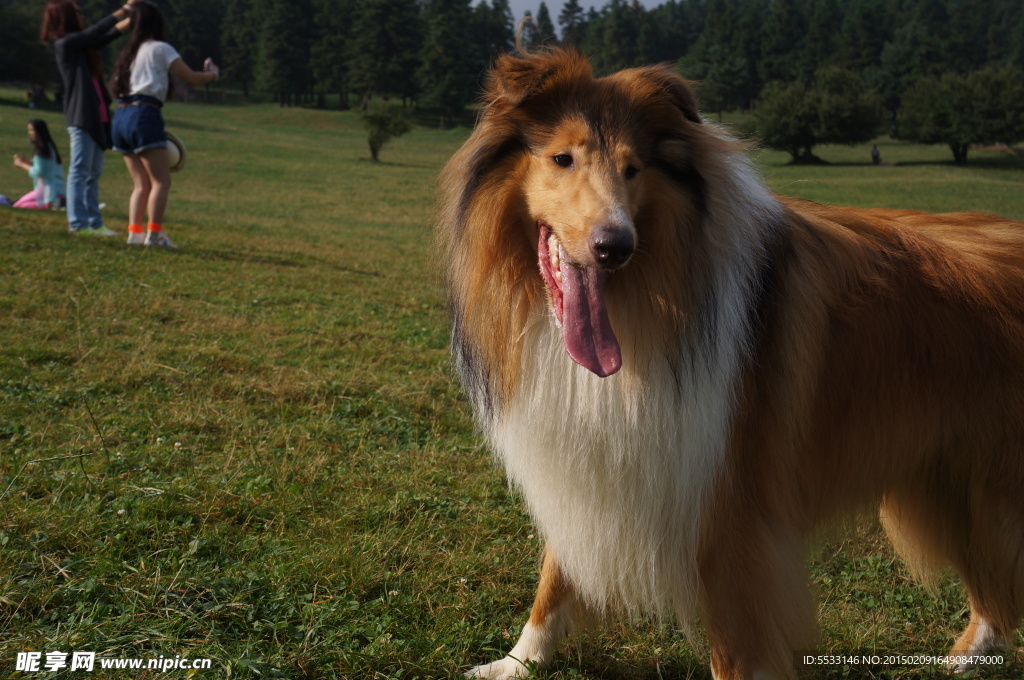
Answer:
(979, 640)
(505, 669)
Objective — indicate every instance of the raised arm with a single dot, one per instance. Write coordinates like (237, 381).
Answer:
(123, 24)
(210, 72)
(103, 31)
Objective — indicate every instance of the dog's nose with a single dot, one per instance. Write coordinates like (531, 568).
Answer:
(611, 246)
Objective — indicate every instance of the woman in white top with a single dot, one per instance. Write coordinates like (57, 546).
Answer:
(141, 84)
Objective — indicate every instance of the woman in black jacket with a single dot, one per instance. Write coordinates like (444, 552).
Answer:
(86, 103)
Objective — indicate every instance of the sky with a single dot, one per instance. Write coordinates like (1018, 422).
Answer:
(520, 7)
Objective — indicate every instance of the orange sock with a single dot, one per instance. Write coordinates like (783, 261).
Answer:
(153, 226)
(135, 229)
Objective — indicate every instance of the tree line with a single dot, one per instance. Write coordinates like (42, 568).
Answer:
(433, 52)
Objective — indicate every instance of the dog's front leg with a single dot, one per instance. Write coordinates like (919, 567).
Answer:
(556, 611)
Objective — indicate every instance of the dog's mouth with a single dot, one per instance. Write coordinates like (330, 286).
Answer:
(577, 297)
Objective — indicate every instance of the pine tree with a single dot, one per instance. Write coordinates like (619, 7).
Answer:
(728, 50)
(677, 25)
(194, 27)
(1015, 54)
(405, 31)
(783, 34)
(545, 28)
(612, 37)
(866, 27)
(969, 22)
(493, 27)
(917, 50)
(824, 17)
(383, 51)
(327, 65)
(573, 23)
(504, 24)
(239, 42)
(21, 55)
(284, 48)
(450, 63)
(1004, 32)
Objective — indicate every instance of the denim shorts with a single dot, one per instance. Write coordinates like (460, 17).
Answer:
(138, 125)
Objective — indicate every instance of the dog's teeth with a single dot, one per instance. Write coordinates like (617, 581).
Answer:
(553, 259)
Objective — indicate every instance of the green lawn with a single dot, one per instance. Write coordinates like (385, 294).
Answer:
(912, 176)
(251, 449)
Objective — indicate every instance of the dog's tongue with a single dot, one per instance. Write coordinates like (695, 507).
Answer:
(586, 331)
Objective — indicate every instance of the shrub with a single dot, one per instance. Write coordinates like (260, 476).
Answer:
(383, 123)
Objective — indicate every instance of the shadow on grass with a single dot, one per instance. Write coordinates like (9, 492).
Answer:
(363, 160)
(606, 667)
(1007, 163)
(250, 257)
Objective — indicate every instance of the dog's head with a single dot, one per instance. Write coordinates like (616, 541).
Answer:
(590, 147)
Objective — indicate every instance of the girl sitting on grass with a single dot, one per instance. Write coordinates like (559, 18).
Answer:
(141, 84)
(44, 169)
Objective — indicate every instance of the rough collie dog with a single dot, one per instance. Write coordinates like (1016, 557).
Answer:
(686, 375)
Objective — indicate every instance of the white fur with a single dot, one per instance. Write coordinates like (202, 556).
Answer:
(507, 668)
(536, 645)
(986, 639)
(617, 471)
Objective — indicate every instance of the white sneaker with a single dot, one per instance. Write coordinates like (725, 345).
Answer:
(158, 238)
(136, 238)
(97, 231)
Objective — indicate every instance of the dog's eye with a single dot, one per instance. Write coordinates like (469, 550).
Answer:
(630, 172)
(562, 160)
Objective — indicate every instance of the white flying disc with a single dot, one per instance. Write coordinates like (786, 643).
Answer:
(176, 152)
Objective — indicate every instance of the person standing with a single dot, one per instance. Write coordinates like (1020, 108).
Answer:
(86, 103)
(141, 84)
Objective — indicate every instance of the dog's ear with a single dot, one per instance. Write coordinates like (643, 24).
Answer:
(518, 77)
(685, 99)
(676, 88)
(515, 79)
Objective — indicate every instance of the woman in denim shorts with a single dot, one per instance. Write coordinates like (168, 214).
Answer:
(141, 84)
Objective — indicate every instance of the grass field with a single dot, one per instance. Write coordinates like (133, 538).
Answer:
(251, 450)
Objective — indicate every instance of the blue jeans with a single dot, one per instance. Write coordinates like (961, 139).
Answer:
(84, 172)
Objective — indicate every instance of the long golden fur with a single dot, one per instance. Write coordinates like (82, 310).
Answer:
(686, 376)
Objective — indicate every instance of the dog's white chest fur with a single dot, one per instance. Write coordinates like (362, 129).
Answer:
(616, 470)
